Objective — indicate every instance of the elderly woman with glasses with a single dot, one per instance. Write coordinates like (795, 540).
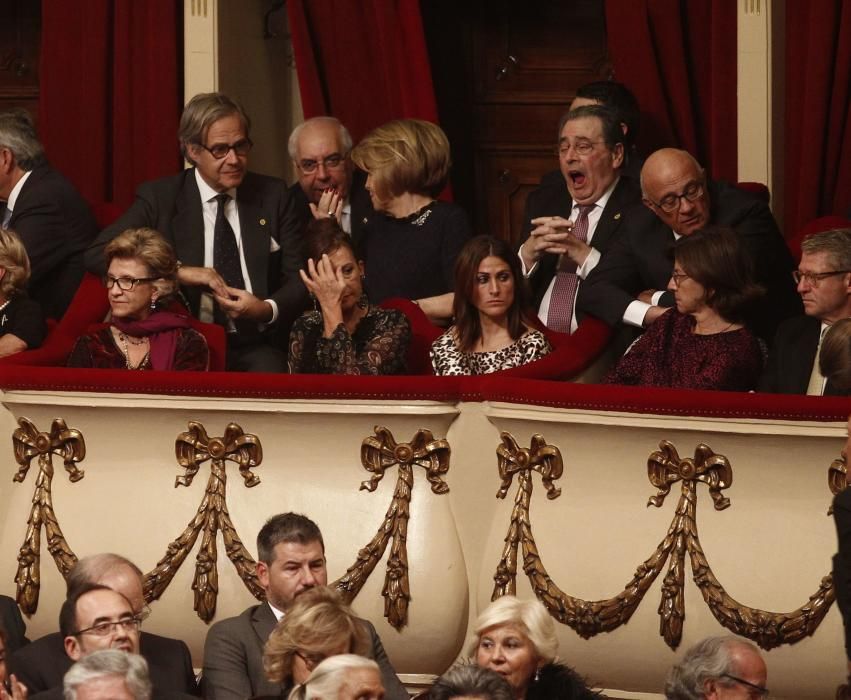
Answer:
(703, 343)
(140, 278)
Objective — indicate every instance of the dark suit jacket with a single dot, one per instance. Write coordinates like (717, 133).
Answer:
(233, 658)
(56, 227)
(156, 694)
(842, 561)
(553, 199)
(791, 358)
(173, 207)
(42, 664)
(640, 259)
(13, 624)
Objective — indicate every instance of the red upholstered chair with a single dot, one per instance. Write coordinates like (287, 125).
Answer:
(423, 334)
(824, 223)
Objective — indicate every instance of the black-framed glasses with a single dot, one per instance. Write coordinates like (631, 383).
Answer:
(582, 148)
(220, 150)
(671, 202)
(332, 162)
(125, 284)
(311, 660)
(757, 691)
(813, 278)
(102, 629)
(678, 277)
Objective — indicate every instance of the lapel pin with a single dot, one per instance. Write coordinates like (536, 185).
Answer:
(617, 216)
(365, 220)
(263, 221)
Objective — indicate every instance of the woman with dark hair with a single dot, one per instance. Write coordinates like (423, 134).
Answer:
(345, 334)
(491, 330)
(411, 243)
(140, 279)
(703, 343)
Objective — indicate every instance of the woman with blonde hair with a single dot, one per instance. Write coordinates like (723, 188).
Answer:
(141, 276)
(21, 321)
(411, 243)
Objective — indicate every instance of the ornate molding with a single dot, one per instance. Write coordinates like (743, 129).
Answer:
(29, 442)
(192, 449)
(378, 454)
(664, 469)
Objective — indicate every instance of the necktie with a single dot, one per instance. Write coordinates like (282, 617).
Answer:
(563, 296)
(816, 385)
(225, 251)
(5, 215)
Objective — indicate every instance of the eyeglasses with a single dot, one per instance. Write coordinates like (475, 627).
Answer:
(102, 629)
(125, 284)
(757, 691)
(311, 660)
(220, 150)
(678, 277)
(332, 162)
(671, 202)
(582, 148)
(813, 278)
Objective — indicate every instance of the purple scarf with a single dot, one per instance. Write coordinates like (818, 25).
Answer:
(162, 327)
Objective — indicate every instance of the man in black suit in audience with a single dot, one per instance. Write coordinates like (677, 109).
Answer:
(629, 285)
(45, 210)
(824, 283)
(570, 224)
(290, 560)
(236, 234)
(13, 624)
(328, 185)
(41, 664)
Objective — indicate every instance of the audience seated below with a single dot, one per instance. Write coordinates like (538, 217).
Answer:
(411, 243)
(345, 334)
(718, 667)
(45, 210)
(21, 322)
(327, 184)
(703, 343)
(570, 224)
(140, 280)
(12, 625)
(629, 283)
(466, 680)
(290, 561)
(41, 664)
(236, 235)
(492, 321)
(112, 674)
(341, 677)
(824, 283)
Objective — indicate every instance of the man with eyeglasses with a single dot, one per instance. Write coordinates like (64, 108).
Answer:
(41, 664)
(823, 278)
(327, 184)
(237, 235)
(569, 227)
(719, 668)
(629, 285)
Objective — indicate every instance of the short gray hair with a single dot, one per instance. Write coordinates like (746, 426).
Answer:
(17, 133)
(132, 668)
(329, 676)
(709, 659)
(201, 112)
(469, 680)
(528, 616)
(343, 135)
(836, 243)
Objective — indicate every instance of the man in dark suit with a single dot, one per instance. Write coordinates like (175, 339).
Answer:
(42, 664)
(291, 559)
(12, 623)
(824, 283)
(630, 283)
(45, 210)
(570, 223)
(236, 235)
(327, 183)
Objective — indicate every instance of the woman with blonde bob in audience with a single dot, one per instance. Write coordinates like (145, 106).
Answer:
(516, 639)
(21, 321)
(492, 320)
(141, 276)
(411, 243)
(317, 626)
(342, 677)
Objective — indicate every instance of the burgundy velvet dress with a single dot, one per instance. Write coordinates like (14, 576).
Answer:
(669, 354)
(98, 350)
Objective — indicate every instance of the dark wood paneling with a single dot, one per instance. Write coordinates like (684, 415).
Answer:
(20, 34)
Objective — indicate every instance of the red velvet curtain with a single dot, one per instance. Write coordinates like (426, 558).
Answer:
(110, 95)
(818, 109)
(364, 62)
(679, 58)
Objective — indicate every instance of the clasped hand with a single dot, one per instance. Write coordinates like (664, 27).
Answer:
(554, 234)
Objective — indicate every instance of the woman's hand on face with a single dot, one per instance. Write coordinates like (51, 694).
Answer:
(324, 282)
(19, 690)
(330, 204)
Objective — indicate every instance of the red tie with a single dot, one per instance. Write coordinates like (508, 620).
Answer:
(563, 296)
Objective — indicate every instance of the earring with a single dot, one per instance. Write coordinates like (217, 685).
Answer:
(537, 674)
(363, 302)
(153, 304)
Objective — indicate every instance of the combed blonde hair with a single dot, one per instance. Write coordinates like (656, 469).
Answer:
(16, 262)
(529, 617)
(319, 623)
(406, 155)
